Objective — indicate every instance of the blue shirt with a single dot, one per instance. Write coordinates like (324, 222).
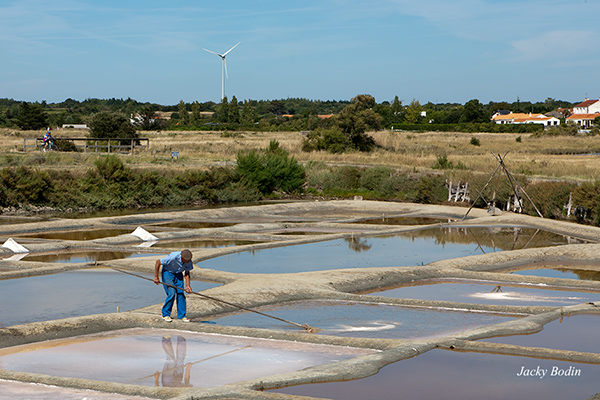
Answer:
(173, 263)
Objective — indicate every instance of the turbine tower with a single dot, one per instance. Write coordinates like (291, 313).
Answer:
(224, 68)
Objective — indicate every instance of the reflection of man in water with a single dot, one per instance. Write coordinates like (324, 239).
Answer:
(174, 373)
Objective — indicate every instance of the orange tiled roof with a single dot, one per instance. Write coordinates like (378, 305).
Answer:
(586, 103)
(517, 116)
(584, 116)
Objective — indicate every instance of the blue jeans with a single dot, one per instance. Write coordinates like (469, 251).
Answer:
(172, 294)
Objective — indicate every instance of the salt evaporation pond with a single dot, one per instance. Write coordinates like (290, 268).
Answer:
(201, 243)
(83, 256)
(10, 390)
(406, 249)
(361, 319)
(78, 293)
(574, 333)
(87, 234)
(564, 273)
(440, 374)
(488, 293)
(161, 357)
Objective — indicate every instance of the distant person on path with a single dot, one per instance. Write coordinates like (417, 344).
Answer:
(176, 269)
(48, 139)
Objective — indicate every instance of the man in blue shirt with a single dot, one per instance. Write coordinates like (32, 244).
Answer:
(176, 269)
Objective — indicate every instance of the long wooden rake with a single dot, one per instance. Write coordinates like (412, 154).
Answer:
(306, 327)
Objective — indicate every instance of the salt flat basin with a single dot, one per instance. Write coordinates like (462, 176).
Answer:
(10, 390)
(361, 319)
(423, 220)
(78, 293)
(201, 243)
(574, 333)
(440, 374)
(193, 224)
(564, 273)
(162, 357)
(72, 257)
(86, 234)
(406, 249)
(489, 293)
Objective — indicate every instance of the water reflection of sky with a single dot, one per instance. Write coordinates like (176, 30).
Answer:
(77, 293)
(573, 333)
(440, 374)
(481, 293)
(408, 249)
(170, 358)
(565, 273)
(371, 320)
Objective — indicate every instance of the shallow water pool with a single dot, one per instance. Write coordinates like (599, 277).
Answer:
(489, 293)
(575, 333)
(406, 249)
(361, 319)
(440, 374)
(161, 357)
(82, 256)
(78, 293)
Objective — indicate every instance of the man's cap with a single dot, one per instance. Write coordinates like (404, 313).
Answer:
(186, 254)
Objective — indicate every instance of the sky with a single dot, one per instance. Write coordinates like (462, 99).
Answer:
(429, 50)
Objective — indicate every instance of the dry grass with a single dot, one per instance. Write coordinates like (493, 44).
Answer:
(551, 157)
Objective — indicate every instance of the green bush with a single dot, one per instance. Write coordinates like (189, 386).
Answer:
(475, 141)
(111, 125)
(372, 178)
(271, 170)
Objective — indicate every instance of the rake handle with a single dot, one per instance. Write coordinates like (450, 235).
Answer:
(218, 300)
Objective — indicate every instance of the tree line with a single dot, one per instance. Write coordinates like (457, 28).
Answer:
(281, 114)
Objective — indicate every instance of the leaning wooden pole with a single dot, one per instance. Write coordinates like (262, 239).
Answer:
(306, 327)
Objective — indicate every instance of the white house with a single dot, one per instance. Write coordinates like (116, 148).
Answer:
(587, 107)
(505, 117)
(585, 113)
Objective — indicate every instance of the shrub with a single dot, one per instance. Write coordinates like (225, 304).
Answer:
(475, 141)
(431, 190)
(372, 178)
(271, 169)
(111, 168)
(111, 125)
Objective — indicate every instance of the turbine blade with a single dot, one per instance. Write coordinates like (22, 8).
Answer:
(213, 53)
(225, 68)
(224, 54)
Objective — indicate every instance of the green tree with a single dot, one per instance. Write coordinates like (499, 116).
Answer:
(358, 117)
(234, 111)
(247, 113)
(474, 111)
(183, 113)
(31, 116)
(413, 112)
(196, 116)
(222, 112)
(107, 124)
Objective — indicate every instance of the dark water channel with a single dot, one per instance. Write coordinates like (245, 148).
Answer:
(406, 249)
(77, 293)
(359, 319)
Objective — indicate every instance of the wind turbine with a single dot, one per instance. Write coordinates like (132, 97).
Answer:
(224, 68)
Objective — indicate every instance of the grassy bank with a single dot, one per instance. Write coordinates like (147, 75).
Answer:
(404, 167)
